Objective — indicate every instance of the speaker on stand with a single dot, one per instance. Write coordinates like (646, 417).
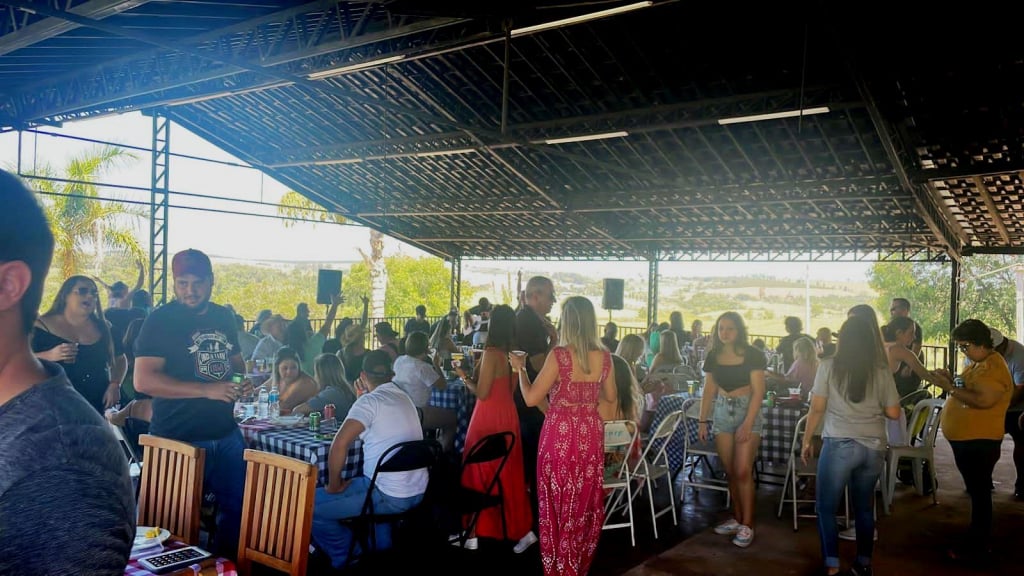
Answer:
(613, 295)
(328, 283)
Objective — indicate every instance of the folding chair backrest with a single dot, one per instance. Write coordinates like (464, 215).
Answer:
(170, 491)
(932, 412)
(661, 437)
(619, 433)
(918, 425)
(496, 446)
(403, 457)
(277, 512)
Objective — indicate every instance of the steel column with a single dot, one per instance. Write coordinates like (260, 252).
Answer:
(954, 310)
(458, 283)
(451, 286)
(158, 207)
(652, 289)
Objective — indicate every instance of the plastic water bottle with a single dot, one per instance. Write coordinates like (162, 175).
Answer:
(274, 399)
(264, 403)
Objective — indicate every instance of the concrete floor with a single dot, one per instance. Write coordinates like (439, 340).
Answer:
(912, 541)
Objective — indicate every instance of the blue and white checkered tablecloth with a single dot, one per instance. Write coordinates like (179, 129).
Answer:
(459, 398)
(779, 424)
(300, 443)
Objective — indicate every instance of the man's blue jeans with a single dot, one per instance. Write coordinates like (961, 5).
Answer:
(328, 509)
(845, 462)
(224, 475)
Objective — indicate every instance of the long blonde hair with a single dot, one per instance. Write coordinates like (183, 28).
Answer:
(578, 330)
(803, 348)
(631, 348)
(669, 349)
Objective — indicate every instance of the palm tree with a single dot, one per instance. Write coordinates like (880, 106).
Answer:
(82, 224)
(295, 205)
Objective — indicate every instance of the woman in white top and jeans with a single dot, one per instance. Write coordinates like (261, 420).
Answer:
(855, 393)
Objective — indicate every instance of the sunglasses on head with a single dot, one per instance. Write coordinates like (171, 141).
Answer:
(86, 291)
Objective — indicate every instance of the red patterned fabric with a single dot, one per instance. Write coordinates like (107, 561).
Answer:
(570, 468)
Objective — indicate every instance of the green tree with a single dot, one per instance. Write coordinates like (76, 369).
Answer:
(987, 292)
(411, 282)
(83, 226)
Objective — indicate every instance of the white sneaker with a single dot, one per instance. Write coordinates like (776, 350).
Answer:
(471, 543)
(728, 528)
(744, 536)
(525, 542)
(851, 534)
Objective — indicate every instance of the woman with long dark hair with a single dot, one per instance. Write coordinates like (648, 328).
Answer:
(294, 384)
(854, 393)
(496, 412)
(898, 335)
(734, 385)
(74, 333)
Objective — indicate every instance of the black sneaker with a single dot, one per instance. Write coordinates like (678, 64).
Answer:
(857, 570)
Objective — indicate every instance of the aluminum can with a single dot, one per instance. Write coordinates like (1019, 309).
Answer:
(958, 382)
(314, 422)
(769, 401)
(329, 412)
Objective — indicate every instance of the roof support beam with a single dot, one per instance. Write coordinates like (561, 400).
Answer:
(55, 26)
(928, 208)
(236, 63)
(993, 210)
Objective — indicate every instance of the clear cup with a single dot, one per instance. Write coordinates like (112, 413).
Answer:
(74, 357)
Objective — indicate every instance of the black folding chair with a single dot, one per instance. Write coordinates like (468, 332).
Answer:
(402, 457)
(496, 447)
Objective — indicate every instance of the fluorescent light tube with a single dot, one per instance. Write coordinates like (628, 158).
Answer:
(444, 152)
(774, 115)
(584, 138)
(354, 67)
(578, 19)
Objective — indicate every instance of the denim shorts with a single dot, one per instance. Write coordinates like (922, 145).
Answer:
(730, 413)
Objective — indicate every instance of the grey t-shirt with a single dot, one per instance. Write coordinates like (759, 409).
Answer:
(66, 499)
(863, 421)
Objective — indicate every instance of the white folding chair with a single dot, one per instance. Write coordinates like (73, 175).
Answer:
(696, 452)
(619, 437)
(649, 468)
(796, 469)
(921, 449)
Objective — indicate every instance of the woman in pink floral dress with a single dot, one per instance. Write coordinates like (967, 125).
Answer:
(570, 461)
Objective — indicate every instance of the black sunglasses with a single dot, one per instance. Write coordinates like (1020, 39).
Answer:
(86, 291)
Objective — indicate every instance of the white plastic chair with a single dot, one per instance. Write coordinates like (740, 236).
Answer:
(619, 436)
(649, 468)
(796, 469)
(921, 449)
(694, 453)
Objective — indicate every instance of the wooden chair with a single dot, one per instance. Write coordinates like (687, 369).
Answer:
(277, 513)
(171, 489)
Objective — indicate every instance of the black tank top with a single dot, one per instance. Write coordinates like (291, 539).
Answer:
(89, 374)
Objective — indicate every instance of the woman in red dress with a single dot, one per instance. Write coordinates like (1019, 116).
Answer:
(570, 459)
(496, 412)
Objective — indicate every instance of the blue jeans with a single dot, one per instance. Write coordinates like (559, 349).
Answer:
(224, 475)
(845, 462)
(328, 509)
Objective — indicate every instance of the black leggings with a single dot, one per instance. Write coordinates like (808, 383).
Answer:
(976, 459)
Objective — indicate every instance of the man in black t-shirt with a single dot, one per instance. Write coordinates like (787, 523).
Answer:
(536, 336)
(185, 356)
(419, 323)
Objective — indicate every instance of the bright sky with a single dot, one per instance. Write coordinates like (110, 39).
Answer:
(251, 238)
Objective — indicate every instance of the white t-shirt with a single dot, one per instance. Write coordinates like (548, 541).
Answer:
(389, 418)
(416, 377)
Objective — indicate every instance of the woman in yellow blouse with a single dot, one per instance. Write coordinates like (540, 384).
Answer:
(972, 422)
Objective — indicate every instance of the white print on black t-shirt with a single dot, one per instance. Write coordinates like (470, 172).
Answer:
(211, 351)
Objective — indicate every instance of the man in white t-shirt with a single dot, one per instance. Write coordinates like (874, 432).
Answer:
(417, 376)
(382, 417)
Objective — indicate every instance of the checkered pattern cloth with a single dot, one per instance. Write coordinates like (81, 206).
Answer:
(776, 439)
(298, 442)
(456, 396)
(222, 566)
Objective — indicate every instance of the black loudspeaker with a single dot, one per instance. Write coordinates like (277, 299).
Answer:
(328, 283)
(613, 288)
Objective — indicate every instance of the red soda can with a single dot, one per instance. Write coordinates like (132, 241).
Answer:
(329, 412)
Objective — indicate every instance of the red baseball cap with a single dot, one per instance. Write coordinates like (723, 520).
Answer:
(191, 261)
